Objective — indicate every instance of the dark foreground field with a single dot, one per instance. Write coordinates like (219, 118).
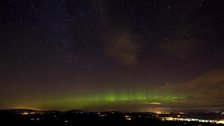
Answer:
(78, 118)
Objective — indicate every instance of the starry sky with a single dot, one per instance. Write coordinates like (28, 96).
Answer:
(99, 55)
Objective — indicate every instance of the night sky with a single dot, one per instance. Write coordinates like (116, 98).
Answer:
(98, 55)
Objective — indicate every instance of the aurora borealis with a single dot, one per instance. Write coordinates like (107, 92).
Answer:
(124, 55)
(107, 99)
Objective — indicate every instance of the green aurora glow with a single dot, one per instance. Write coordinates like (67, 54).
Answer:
(111, 99)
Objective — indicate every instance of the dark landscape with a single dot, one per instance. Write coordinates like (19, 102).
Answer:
(22, 117)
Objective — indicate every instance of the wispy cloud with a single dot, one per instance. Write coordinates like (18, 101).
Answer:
(152, 103)
(204, 90)
(122, 47)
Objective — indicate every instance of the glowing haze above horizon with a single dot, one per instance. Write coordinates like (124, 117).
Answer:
(124, 55)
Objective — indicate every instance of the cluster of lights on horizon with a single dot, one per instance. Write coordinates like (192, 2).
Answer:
(192, 120)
